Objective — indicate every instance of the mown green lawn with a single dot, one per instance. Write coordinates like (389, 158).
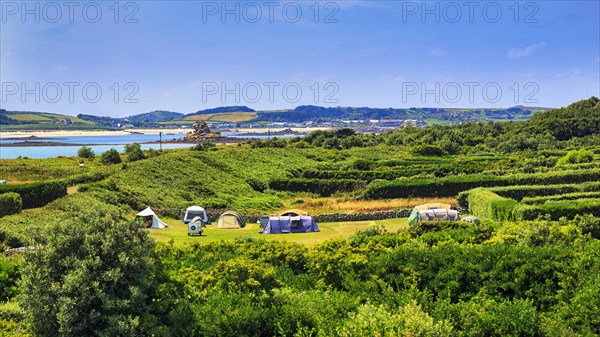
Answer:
(329, 230)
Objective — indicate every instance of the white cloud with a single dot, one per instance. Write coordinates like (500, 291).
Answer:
(438, 52)
(568, 74)
(517, 53)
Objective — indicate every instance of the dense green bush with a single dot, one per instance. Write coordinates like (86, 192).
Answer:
(97, 276)
(10, 273)
(86, 152)
(37, 194)
(576, 157)
(370, 320)
(10, 203)
(110, 157)
(134, 152)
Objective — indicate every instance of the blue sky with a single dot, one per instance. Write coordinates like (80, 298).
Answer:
(189, 55)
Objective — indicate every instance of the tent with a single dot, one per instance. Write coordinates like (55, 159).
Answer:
(231, 219)
(293, 212)
(193, 212)
(414, 215)
(156, 223)
(290, 224)
(439, 215)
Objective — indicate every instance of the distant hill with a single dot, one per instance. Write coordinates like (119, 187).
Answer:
(579, 119)
(222, 109)
(33, 120)
(306, 113)
(155, 117)
(27, 120)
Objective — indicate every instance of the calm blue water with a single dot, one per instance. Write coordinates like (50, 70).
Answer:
(117, 142)
(106, 143)
(108, 140)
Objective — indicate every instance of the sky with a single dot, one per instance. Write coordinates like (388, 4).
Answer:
(123, 58)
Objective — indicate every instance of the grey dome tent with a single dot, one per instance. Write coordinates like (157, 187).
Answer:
(439, 215)
(290, 224)
(194, 211)
(230, 219)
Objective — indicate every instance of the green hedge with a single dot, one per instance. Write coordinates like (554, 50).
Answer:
(520, 192)
(558, 209)
(568, 196)
(485, 204)
(37, 194)
(450, 186)
(323, 187)
(10, 203)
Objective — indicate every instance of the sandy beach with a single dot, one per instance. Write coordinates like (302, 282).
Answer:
(71, 133)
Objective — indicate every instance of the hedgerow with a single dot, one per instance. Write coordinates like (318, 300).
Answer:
(10, 203)
(486, 204)
(37, 194)
(558, 209)
(523, 191)
(449, 186)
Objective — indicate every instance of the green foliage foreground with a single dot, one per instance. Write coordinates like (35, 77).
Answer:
(97, 275)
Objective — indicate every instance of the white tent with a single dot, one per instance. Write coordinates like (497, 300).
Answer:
(194, 211)
(156, 223)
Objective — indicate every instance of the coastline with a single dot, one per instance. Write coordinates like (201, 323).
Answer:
(71, 133)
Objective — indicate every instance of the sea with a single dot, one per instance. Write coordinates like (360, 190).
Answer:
(98, 144)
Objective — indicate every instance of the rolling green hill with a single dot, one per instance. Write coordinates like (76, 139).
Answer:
(27, 120)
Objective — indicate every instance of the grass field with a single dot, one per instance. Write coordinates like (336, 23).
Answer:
(31, 118)
(177, 231)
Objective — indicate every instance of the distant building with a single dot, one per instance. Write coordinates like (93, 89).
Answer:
(66, 121)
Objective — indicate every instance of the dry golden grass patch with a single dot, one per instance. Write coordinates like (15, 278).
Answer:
(343, 205)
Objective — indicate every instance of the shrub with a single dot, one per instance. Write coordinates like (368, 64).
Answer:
(588, 224)
(576, 157)
(203, 146)
(37, 194)
(134, 152)
(10, 203)
(86, 152)
(96, 276)
(9, 276)
(410, 320)
(428, 150)
(152, 153)
(110, 157)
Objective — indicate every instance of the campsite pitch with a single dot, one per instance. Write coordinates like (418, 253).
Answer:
(329, 230)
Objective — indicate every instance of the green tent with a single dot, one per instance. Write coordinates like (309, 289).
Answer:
(414, 215)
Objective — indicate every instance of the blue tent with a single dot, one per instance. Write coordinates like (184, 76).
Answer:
(290, 224)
